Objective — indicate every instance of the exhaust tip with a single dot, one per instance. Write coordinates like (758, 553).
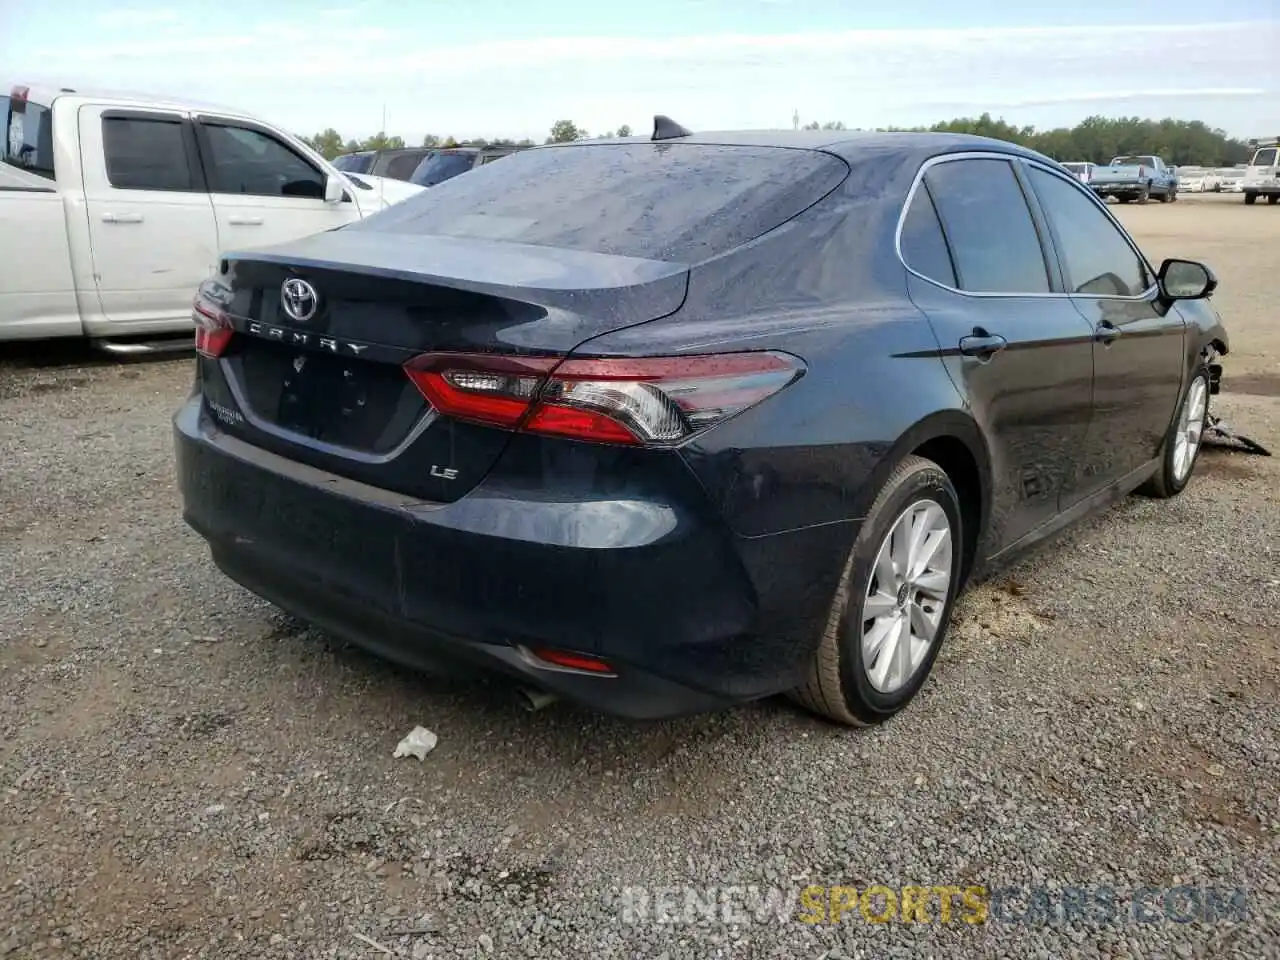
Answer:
(533, 700)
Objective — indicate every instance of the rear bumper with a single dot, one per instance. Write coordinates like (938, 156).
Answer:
(1119, 189)
(691, 617)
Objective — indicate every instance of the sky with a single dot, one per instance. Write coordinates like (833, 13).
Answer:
(489, 68)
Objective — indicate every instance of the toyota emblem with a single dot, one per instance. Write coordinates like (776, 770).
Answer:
(299, 299)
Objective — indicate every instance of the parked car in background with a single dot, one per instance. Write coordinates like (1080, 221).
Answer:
(394, 164)
(1196, 180)
(1135, 178)
(539, 419)
(1082, 170)
(1262, 177)
(448, 162)
(1231, 179)
(115, 208)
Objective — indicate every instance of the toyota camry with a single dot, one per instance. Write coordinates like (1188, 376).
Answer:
(664, 424)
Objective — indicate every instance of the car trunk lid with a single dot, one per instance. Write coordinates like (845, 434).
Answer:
(329, 388)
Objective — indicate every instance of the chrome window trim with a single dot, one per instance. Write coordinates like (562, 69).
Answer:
(1013, 158)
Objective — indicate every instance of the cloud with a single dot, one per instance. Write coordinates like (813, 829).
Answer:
(310, 76)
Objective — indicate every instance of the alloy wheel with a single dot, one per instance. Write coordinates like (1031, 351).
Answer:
(1186, 443)
(907, 595)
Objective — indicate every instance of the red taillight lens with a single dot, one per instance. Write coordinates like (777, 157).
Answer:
(213, 328)
(646, 400)
(568, 660)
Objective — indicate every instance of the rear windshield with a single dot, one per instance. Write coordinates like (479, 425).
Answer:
(676, 202)
(440, 167)
(28, 136)
(1133, 162)
(354, 162)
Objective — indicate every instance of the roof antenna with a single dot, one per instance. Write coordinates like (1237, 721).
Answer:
(664, 128)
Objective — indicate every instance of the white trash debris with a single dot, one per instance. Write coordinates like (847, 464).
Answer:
(418, 743)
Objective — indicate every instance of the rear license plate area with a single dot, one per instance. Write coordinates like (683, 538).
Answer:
(341, 401)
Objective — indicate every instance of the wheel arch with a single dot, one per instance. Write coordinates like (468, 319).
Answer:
(952, 440)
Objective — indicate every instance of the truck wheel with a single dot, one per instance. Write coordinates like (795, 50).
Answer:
(1273, 198)
(1250, 198)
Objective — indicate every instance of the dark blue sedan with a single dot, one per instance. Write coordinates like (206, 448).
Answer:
(663, 425)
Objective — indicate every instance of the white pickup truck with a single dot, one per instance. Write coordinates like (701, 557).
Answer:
(113, 209)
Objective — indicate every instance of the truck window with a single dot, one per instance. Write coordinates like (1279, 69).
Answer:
(28, 136)
(146, 154)
(1264, 158)
(246, 161)
(401, 167)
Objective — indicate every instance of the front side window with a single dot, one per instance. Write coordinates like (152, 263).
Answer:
(251, 162)
(984, 214)
(28, 136)
(1096, 258)
(146, 154)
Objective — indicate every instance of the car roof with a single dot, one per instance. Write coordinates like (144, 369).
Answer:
(849, 145)
(46, 94)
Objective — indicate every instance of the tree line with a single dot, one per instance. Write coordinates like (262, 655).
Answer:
(1097, 139)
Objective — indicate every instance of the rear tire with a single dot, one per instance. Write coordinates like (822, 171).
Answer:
(1183, 442)
(866, 670)
(1250, 198)
(1273, 198)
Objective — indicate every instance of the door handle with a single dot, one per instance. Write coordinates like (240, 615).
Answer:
(245, 221)
(982, 345)
(1107, 332)
(122, 218)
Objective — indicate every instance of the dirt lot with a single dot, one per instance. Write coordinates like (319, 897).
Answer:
(185, 772)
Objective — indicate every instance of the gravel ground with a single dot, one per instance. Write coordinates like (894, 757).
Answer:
(185, 772)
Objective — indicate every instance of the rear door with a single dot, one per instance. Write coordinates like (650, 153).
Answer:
(1139, 353)
(264, 190)
(151, 223)
(1015, 346)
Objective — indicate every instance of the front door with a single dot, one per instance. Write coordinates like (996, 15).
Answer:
(151, 224)
(1017, 349)
(264, 191)
(1139, 349)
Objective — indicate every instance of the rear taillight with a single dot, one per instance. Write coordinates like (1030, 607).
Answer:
(642, 401)
(213, 328)
(1142, 172)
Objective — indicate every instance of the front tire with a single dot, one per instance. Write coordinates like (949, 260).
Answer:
(1250, 198)
(893, 604)
(1184, 440)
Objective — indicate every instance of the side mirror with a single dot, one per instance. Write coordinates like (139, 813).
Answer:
(334, 189)
(1186, 280)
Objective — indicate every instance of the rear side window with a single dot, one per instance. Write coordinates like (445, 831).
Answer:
(924, 249)
(679, 202)
(401, 166)
(1096, 257)
(146, 154)
(439, 167)
(988, 224)
(28, 136)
